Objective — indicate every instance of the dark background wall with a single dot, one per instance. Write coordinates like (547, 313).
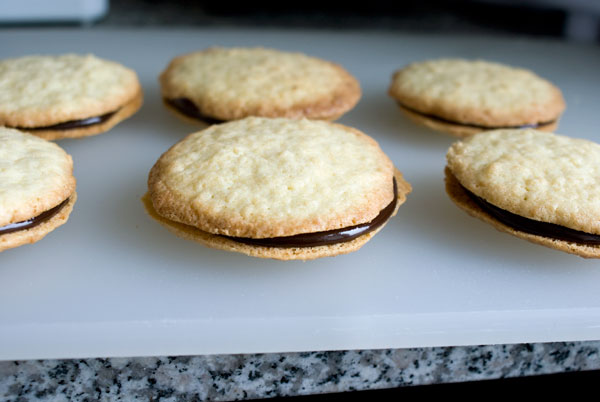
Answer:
(573, 19)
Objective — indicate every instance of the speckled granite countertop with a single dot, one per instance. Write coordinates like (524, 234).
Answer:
(235, 377)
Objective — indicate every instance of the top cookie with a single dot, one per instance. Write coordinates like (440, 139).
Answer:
(37, 188)
(228, 84)
(476, 95)
(263, 178)
(536, 175)
(66, 96)
(35, 176)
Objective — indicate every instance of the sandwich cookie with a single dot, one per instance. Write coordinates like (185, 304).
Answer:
(276, 188)
(66, 96)
(222, 84)
(462, 97)
(539, 186)
(37, 188)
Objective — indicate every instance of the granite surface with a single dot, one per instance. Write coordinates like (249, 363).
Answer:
(235, 377)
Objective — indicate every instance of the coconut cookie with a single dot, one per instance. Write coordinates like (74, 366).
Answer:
(276, 188)
(37, 188)
(66, 96)
(535, 185)
(463, 97)
(222, 84)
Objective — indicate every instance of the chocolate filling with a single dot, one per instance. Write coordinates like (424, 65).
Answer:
(527, 225)
(189, 109)
(70, 125)
(442, 120)
(327, 237)
(37, 220)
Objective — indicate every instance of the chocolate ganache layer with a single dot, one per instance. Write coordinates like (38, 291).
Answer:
(73, 124)
(531, 226)
(35, 221)
(189, 109)
(327, 237)
(442, 120)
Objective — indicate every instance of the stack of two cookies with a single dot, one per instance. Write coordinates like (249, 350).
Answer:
(509, 169)
(49, 98)
(276, 180)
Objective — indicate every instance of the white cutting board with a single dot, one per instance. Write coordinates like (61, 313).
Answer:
(112, 282)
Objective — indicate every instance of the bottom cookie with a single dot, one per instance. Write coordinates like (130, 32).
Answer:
(461, 198)
(279, 253)
(36, 233)
(456, 129)
(104, 124)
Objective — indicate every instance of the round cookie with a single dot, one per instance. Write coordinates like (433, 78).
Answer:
(222, 84)
(276, 188)
(66, 96)
(538, 186)
(463, 97)
(37, 188)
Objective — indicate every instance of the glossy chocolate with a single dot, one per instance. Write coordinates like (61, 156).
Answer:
(442, 120)
(70, 125)
(189, 109)
(327, 237)
(28, 224)
(527, 225)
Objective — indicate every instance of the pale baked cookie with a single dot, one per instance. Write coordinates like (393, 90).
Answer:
(37, 188)
(463, 97)
(538, 186)
(66, 96)
(276, 188)
(222, 84)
